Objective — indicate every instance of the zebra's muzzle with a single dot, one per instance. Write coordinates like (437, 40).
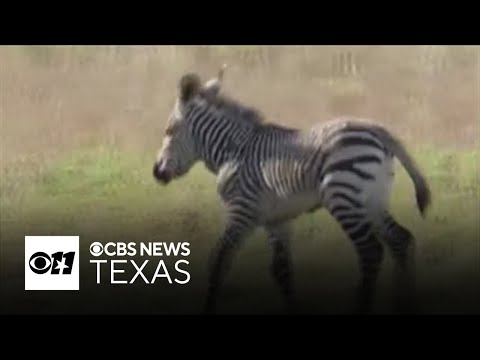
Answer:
(161, 174)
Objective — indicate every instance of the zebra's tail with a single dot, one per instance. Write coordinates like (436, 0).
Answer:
(422, 189)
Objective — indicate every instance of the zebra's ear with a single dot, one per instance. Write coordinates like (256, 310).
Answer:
(189, 86)
(214, 85)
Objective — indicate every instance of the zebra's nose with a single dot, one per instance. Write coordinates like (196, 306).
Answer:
(160, 172)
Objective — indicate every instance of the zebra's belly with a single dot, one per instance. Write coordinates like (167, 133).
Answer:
(287, 208)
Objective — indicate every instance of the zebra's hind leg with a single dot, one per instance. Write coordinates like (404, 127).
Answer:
(401, 244)
(281, 267)
(360, 229)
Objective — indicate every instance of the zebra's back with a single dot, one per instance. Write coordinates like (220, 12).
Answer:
(297, 171)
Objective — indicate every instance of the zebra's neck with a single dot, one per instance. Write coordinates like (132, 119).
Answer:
(220, 137)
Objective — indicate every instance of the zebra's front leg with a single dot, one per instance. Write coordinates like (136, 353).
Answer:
(221, 257)
(279, 238)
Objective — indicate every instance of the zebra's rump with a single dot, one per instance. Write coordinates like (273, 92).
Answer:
(348, 145)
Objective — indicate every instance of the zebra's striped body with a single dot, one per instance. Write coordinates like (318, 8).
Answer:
(268, 175)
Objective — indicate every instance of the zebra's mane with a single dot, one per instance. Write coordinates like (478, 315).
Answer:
(234, 108)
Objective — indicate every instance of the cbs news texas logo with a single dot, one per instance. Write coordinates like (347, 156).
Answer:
(52, 263)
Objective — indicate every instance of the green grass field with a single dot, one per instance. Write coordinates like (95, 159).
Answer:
(104, 194)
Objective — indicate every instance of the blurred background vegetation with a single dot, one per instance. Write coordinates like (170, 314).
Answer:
(54, 97)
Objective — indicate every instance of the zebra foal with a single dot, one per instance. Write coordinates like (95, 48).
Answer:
(268, 175)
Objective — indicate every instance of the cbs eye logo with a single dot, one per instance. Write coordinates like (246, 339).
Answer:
(57, 263)
(96, 249)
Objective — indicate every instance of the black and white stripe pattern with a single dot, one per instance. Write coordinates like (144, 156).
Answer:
(268, 175)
